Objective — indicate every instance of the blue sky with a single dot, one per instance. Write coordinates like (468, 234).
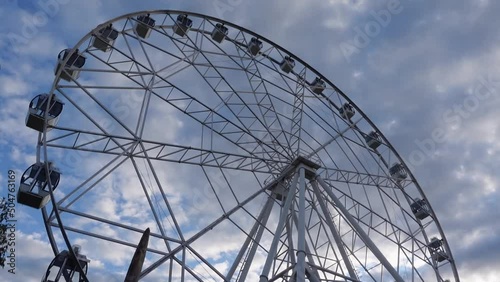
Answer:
(426, 73)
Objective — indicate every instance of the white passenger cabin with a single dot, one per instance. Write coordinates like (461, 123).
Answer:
(144, 25)
(71, 70)
(287, 64)
(33, 189)
(420, 208)
(182, 25)
(398, 172)
(64, 267)
(38, 114)
(373, 140)
(437, 251)
(347, 111)
(318, 85)
(105, 38)
(219, 32)
(254, 46)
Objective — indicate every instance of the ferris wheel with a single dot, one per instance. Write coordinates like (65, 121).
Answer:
(245, 163)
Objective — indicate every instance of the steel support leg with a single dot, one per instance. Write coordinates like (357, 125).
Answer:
(259, 230)
(300, 267)
(335, 234)
(308, 253)
(274, 245)
(291, 253)
(361, 233)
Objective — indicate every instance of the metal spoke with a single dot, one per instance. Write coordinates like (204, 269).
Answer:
(100, 143)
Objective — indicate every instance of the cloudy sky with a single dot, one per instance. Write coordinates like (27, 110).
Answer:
(425, 72)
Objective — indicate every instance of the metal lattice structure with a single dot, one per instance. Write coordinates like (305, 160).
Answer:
(243, 160)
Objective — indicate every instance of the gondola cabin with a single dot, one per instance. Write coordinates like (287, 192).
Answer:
(437, 251)
(254, 46)
(318, 85)
(64, 267)
(347, 111)
(72, 66)
(287, 64)
(105, 38)
(219, 32)
(398, 172)
(39, 114)
(440, 256)
(420, 208)
(373, 140)
(34, 187)
(144, 25)
(435, 243)
(182, 25)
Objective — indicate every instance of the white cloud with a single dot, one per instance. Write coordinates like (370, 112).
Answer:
(13, 86)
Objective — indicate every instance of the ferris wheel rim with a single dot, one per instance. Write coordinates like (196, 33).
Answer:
(305, 64)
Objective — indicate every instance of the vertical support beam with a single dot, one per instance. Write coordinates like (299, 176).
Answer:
(361, 233)
(291, 254)
(298, 105)
(277, 234)
(301, 228)
(335, 234)
(170, 270)
(256, 232)
(244, 248)
(308, 253)
(183, 269)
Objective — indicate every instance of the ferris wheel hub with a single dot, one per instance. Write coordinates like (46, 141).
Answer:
(308, 165)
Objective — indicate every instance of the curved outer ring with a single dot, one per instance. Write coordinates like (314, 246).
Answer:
(42, 137)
